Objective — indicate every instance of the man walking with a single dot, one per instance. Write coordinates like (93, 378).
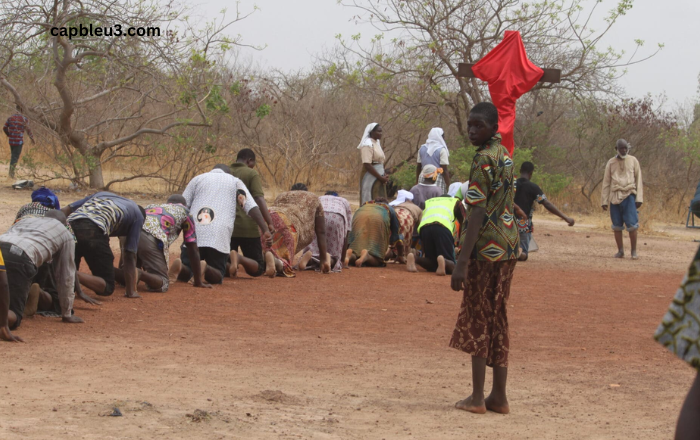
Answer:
(623, 192)
(14, 128)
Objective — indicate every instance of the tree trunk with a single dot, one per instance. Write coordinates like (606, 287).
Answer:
(96, 179)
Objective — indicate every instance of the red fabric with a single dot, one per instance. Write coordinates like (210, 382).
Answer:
(510, 74)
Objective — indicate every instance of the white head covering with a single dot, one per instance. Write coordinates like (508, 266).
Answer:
(454, 188)
(436, 141)
(366, 141)
(401, 197)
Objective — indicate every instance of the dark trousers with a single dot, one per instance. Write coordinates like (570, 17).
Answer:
(20, 273)
(15, 152)
(93, 245)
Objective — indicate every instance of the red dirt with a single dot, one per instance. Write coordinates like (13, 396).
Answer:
(362, 354)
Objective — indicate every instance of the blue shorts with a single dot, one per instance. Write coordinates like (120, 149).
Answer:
(625, 214)
(525, 241)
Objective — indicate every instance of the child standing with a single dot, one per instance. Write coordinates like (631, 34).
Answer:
(485, 266)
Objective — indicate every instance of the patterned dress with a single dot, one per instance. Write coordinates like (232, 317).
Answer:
(680, 328)
(338, 224)
(166, 221)
(375, 227)
(294, 219)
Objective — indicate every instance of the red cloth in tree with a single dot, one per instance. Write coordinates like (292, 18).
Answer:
(510, 74)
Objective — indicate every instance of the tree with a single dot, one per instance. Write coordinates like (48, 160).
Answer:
(101, 96)
(423, 41)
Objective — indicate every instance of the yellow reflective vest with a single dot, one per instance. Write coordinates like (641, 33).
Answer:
(440, 210)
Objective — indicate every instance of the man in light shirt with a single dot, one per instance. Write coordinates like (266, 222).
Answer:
(623, 192)
(211, 199)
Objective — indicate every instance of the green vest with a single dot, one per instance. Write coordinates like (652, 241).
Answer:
(439, 210)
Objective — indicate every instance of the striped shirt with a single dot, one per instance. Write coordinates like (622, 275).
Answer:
(15, 127)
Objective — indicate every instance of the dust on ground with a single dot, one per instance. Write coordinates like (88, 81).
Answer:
(361, 354)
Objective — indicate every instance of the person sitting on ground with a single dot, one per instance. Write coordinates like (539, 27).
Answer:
(212, 198)
(484, 269)
(298, 217)
(26, 246)
(623, 190)
(428, 188)
(338, 215)
(434, 152)
(436, 231)
(526, 193)
(94, 219)
(409, 215)
(679, 332)
(162, 227)
(375, 227)
(246, 234)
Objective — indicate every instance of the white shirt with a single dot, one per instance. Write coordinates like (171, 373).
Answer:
(211, 199)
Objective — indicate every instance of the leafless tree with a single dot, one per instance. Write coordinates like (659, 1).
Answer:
(108, 97)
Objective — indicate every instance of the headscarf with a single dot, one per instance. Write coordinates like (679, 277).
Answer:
(366, 141)
(46, 197)
(331, 193)
(436, 141)
(430, 172)
(454, 188)
(401, 197)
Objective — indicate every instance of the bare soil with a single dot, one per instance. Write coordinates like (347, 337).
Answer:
(359, 355)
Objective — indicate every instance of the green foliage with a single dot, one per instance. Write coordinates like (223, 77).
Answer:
(460, 167)
(215, 102)
(263, 111)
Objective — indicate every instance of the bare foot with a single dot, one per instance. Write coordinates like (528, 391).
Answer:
(468, 405)
(32, 300)
(635, 256)
(363, 257)
(270, 264)
(411, 263)
(348, 254)
(133, 295)
(497, 406)
(620, 254)
(233, 270)
(326, 265)
(174, 270)
(203, 267)
(305, 260)
(441, 267)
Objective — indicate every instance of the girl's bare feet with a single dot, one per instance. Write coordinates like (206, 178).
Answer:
(233, 270)
(411, 263)
(363, 257)
(326, 265)
(497, 405)
(270, 269)
(305, 260)
(348, 255)
(470, 406)
(441, 266)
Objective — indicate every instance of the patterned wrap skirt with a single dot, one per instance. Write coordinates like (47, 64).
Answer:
(482, 325)
(406, 224)
(335, 239)
(284, 242)
(371, 231)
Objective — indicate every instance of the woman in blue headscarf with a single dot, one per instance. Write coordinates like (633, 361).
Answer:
(43, 200)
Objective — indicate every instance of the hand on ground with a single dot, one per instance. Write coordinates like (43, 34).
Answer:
(203, 285)
(88, 300)
(6, 335)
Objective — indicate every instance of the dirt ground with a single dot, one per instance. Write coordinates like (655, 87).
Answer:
(359, 355)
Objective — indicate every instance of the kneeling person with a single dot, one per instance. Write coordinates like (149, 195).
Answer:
(162, 227)
(436, 231)
(94, 219)
(26, 246)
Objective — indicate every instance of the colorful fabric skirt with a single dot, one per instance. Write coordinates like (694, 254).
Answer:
(370, 230)
(284, 242)
(482, 325)
(335, 239)
(406, 224)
